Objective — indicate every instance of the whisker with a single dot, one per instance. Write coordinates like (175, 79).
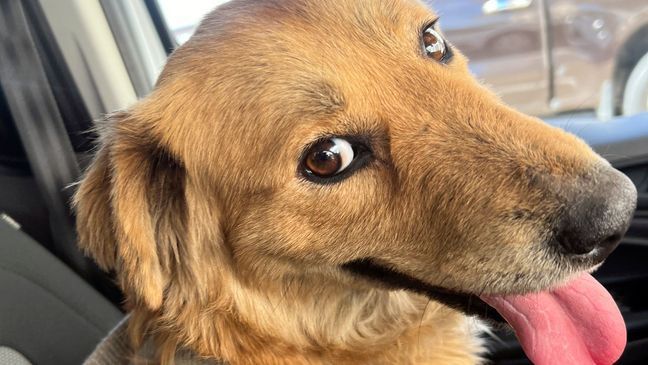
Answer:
(421, 321)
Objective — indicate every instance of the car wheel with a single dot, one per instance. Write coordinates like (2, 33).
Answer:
(635, 96)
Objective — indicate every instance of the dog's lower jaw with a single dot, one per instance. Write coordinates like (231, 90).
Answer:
(302, 324)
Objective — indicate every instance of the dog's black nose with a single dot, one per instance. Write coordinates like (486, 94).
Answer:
(597, 213)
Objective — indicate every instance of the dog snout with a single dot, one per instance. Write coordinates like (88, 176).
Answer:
(598, 211)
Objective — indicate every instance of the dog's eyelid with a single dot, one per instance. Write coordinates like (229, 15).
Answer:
(429, 24)
(358, 154)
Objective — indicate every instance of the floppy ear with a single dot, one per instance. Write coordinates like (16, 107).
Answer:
(131, 210)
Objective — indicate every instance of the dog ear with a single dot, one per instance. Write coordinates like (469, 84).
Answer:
(131, 210)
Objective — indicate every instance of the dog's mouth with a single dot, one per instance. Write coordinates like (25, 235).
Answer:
(467, 303)
(577, 323)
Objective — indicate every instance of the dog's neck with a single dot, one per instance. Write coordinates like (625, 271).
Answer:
(303, 312)
(303, 322)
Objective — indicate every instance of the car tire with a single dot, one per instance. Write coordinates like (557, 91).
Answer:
(635, 96)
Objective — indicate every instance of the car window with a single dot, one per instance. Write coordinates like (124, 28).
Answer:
(182, 17)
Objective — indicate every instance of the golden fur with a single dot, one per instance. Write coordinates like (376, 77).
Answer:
(195, 201)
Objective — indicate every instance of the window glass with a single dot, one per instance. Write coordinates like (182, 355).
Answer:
(182, 17)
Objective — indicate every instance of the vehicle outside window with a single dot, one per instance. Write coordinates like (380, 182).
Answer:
(544, 57)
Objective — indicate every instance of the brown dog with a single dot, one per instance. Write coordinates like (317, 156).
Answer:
(319, 182)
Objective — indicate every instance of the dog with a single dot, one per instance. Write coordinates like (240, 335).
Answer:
(324, 182)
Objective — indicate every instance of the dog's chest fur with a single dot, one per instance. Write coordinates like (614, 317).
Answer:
(435, 335)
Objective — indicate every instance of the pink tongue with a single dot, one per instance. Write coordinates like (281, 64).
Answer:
(575, 324)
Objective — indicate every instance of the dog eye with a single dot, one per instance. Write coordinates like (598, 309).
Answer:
(435, 46)
(329, 158)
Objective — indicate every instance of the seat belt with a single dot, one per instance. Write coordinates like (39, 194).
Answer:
(40, 126)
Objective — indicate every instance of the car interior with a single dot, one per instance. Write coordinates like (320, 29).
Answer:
(58, 74)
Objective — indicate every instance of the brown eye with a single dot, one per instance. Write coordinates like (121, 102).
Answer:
(434, 44)
(329, 158)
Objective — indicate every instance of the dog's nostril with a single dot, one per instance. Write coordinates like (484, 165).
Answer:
(613, 239)
(576, 242)
(600, 236)
(597, 216)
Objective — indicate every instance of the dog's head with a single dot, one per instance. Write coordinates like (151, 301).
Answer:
(347, 140)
